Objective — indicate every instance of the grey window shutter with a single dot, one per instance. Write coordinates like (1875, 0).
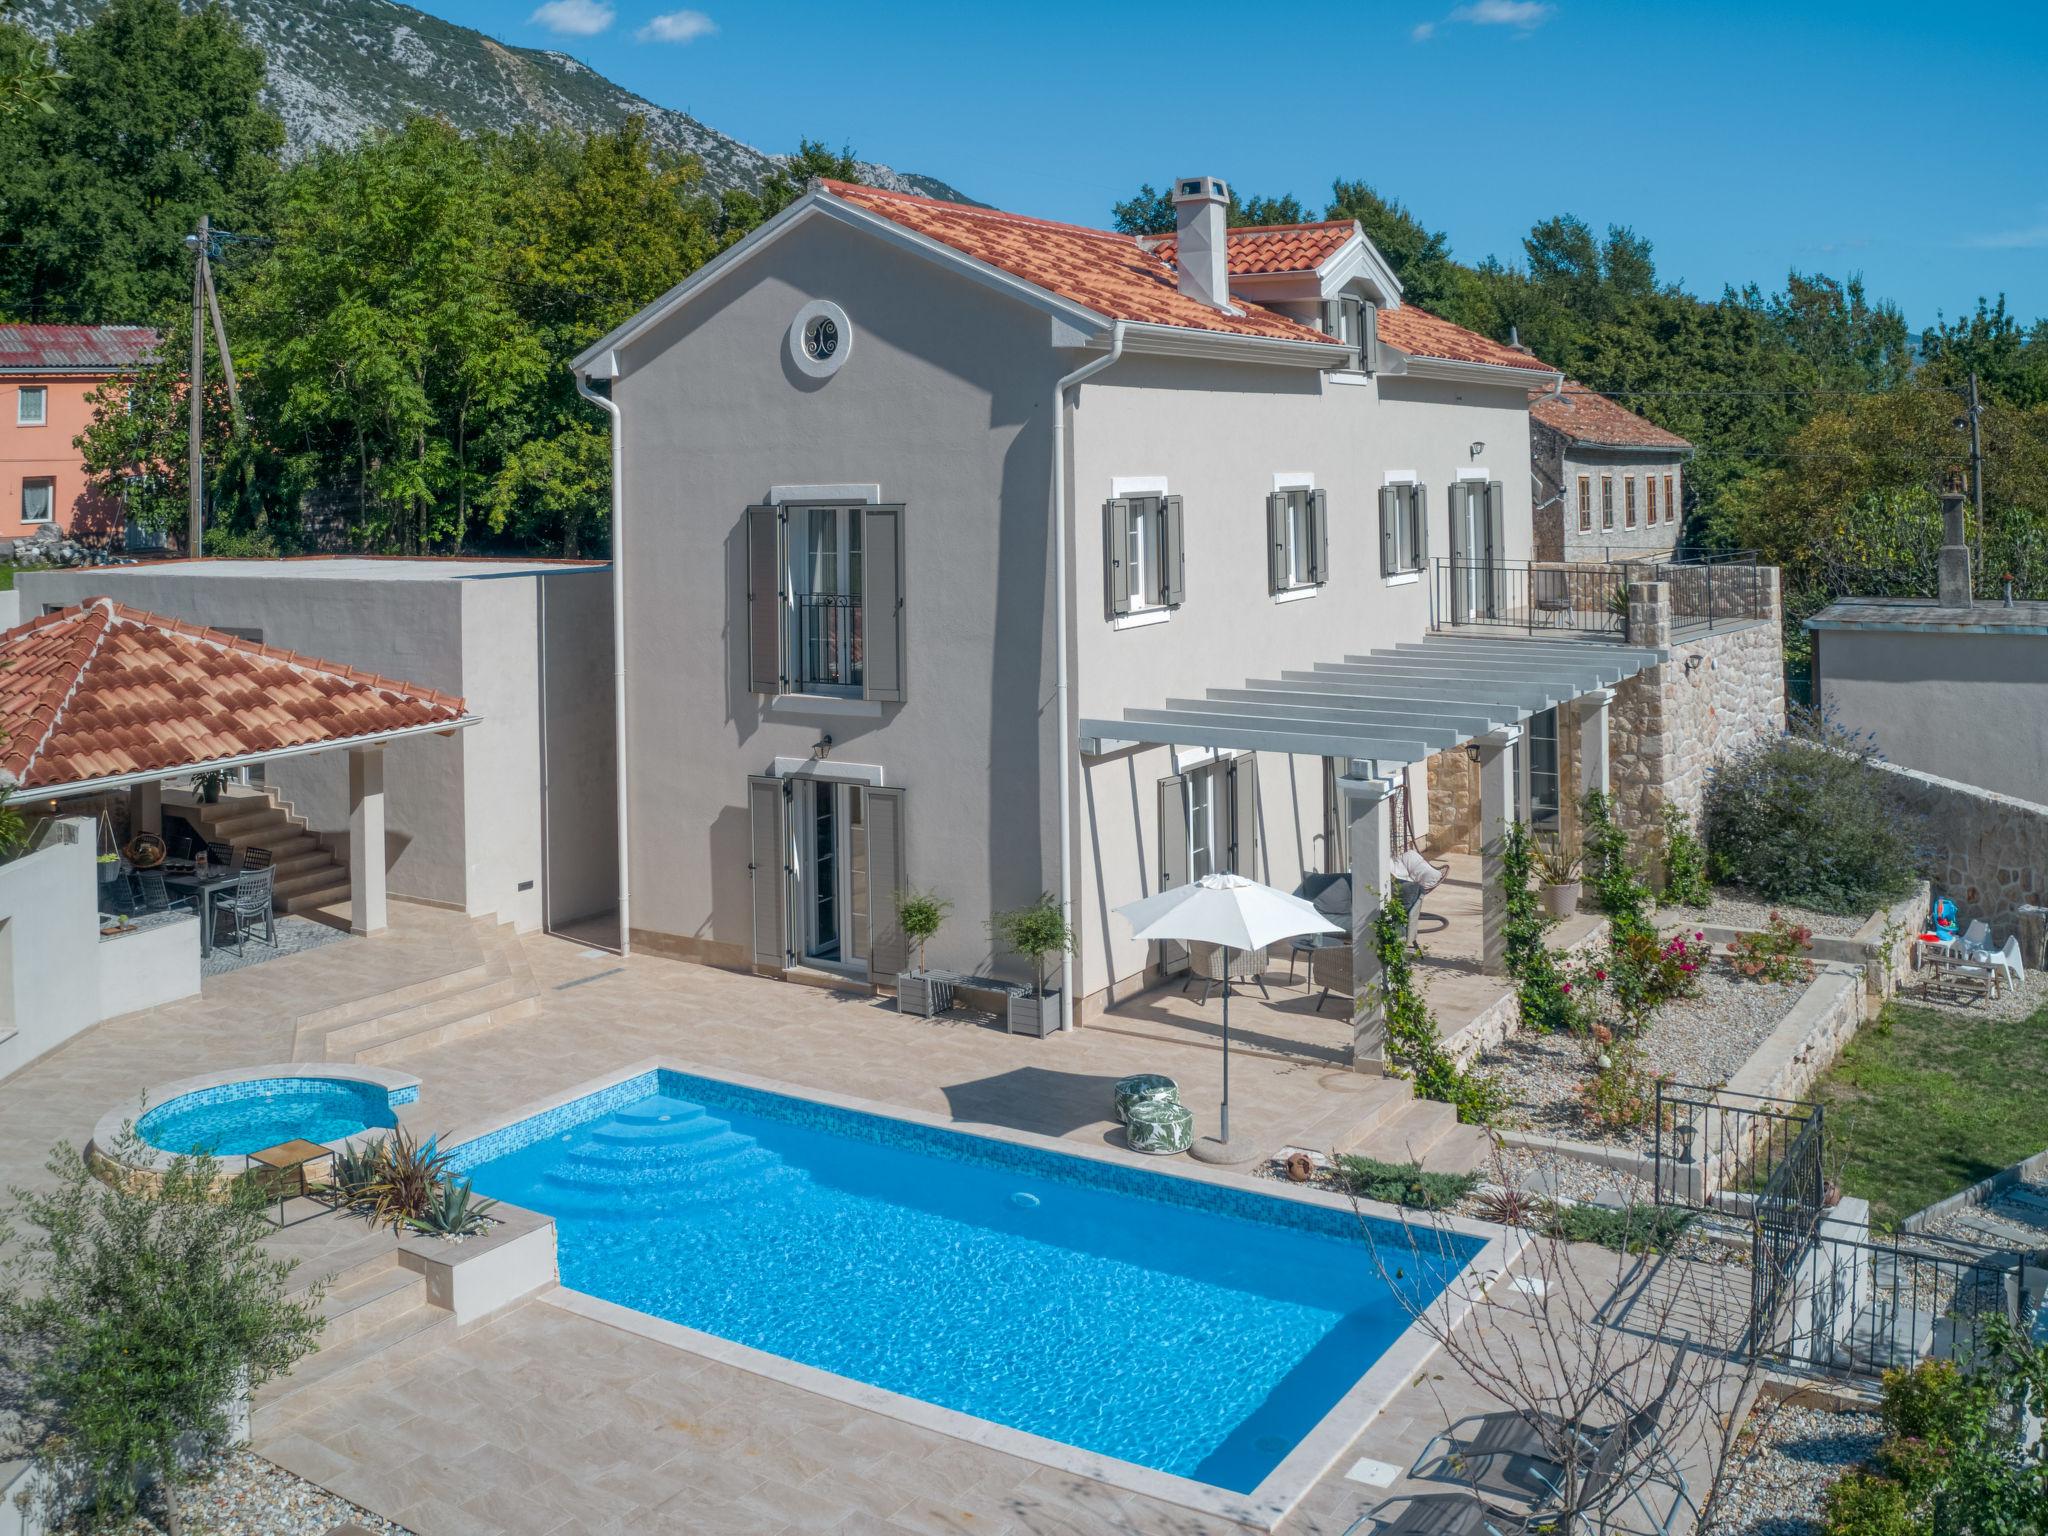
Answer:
(765, 605)
(1369, 338)
(889, 951)
(1496, 532)
(1116, 522)
(768, 867)
(1276, 541)
(1421, 495)
(1391, 508)
(1173, 831)
(1318, 537)
(1461, 532)
(1173, 556)
(1244, 816)
(881, 615)
(1333, 317)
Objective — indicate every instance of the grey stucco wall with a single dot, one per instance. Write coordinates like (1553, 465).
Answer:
(502, 766)
(1218, 434)
(579, 797)
(943, 401)
(1970, 707)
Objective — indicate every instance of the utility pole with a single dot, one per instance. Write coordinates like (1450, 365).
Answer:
(1977, 469)
(195, 393)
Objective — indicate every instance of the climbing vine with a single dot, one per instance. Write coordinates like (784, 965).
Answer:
(1414, 1048)
(1541, 987)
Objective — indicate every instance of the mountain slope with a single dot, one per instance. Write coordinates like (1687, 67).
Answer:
(339, 68)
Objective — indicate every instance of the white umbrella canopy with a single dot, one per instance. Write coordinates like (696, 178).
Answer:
(1230, 911)
(1225, 909)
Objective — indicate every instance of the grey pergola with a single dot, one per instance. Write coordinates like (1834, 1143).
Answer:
(1393, 707)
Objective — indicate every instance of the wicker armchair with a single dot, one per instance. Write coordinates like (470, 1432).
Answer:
(1205, 964)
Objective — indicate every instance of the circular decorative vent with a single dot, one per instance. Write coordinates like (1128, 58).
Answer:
(820, 338)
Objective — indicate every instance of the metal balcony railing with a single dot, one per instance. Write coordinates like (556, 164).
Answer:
(828, 641)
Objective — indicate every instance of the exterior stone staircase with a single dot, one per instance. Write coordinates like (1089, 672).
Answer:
(312, 867)
(1382, 1119)
(495, 988)
(376, 1309)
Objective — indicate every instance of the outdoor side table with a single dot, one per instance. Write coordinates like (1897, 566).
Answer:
(285, 1165)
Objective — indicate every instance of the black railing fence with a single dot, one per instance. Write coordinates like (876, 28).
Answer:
(1709, 590)
(828, 641)
(1716, 1149)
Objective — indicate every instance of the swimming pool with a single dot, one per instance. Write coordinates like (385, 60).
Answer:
(240, 1117)
(1197, 1329)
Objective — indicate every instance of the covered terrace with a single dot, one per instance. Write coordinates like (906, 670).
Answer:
(1381, 712)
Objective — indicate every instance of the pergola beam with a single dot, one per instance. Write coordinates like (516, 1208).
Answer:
(1235, 734)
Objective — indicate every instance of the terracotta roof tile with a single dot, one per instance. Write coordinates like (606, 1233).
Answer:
(100, 690)
(1263, 249)
(1114, 275)
(1586, 417)
(1421, 334)
(73, 348)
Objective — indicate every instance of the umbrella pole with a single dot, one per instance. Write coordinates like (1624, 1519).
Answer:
(1225, 1117)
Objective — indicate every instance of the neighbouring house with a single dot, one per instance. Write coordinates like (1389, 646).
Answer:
(1609, 486)
(106, 712)
(46, 372)
(1949, 686)
(513, 817)
(972, 552)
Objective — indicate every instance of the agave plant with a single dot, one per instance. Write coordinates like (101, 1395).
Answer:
(453, 1211)
(407, 1172)
(352, 1171)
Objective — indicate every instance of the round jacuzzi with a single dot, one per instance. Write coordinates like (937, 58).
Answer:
(233, 1114)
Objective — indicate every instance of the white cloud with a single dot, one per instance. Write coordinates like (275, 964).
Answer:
(1521, 15)
(574, 18)
(677, 27)
(2034, 239)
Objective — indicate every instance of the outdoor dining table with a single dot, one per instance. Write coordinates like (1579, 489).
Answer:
(204, 888)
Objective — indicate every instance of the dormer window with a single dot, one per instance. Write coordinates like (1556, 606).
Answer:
(1355, 322)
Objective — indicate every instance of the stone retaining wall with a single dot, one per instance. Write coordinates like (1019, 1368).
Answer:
(1809, 1038)
(1986, 852)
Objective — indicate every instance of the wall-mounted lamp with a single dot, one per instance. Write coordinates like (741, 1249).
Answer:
(1477, 449)
(822, 747)
(1472, 751)
(1692, 663)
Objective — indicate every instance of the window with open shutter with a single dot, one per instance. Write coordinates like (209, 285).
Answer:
(1278, 577)
(1628, 500)
(1670, 498)
(881, 612)
(768, 867)
(1391, 513)
(767, 627)
(889, 951)
(1117, 552)
(1419, 526)
(1496, 522)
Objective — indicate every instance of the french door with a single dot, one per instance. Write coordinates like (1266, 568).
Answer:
(827, 862)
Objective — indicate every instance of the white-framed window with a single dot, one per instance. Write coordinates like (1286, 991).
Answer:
(1649, 500)
(1585, 503)
(1670, 498)
(1355, 322)
(1202, 822)
(1607, 501)
(1142, 555)
(1629, 499)
(1404, 527)
(826, 583)
(38, 501)
(1298, 539)
(32, 405)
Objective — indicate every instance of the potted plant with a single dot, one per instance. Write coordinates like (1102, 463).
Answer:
(1035, 932)
(1558, 868)
(210, 784)
(919, 914)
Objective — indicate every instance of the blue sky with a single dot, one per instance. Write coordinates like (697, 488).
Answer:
(1903, 139)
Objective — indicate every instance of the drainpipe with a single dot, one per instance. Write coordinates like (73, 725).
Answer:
(611, 408)
(1059, 608)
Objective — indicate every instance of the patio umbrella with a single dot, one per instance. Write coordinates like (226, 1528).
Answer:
(1230, 911)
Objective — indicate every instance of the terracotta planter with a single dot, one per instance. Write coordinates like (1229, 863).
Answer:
(1561, 900)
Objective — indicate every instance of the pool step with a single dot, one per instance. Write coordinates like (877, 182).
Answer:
(377, 1311)
(667, 1156)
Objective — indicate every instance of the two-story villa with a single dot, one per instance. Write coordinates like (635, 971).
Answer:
(981, 554)
(46, 373)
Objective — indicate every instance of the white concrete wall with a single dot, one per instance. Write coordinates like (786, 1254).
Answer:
(10, 609)
(157, 965)
(579, 753)
(49, 946)
(501, 782)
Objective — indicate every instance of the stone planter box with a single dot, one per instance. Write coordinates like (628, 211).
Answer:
(1028, 1015)
(476, 1277)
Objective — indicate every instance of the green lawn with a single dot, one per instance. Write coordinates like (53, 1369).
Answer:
(1925, 1103)
(6, 577)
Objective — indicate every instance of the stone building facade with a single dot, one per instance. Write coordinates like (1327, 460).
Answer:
(1608, 484)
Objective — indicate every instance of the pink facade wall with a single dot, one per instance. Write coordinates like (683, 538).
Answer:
(49, 452)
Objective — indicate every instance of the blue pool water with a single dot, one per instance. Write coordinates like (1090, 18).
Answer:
(247, 1117)
(1197, 1330)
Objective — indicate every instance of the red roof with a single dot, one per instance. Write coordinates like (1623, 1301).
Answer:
(1257, 250)
(101, 690)
(1586, 417)
(74, 348)
(1114, 275)
(1421, 334)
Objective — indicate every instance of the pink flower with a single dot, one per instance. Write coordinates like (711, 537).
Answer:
(1599, 975)
(1700, 935)
(1688, 966)
(1567, 986)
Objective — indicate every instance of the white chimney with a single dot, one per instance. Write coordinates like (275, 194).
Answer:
(1199, 205)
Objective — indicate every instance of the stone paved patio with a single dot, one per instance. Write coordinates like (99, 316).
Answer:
(541, 1421)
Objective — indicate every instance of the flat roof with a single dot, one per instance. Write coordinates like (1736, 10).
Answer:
(349, 568)
(1923, 615)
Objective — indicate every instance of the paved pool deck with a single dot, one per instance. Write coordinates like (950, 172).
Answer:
(546, 1422)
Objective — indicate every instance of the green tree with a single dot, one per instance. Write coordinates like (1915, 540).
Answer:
(27, 75)
(155, 120)
(741, 212)
(1150, 211)
(1420, 257)
(133, 1314)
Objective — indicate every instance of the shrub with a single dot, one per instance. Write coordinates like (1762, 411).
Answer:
(1644, 975)
(1035, 932)
(1638, 1227)
(1809, 819)
(1865, 1504)
(1510, 1207)
(1778, 953)
(1617, 885)
(1413, 1044)
(1404, 1183)
(1685, 862)
(404, 1178)
(133, 1313)
(1622, 1093)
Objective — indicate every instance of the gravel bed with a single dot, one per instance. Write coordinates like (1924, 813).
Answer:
(1783, 1463)
(2015, 1219)
(244, 1495)
(1730, 909)
(1702, 1039)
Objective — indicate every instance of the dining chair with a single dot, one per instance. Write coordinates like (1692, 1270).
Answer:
(221, 854)
(248, 903)
(256, 858)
